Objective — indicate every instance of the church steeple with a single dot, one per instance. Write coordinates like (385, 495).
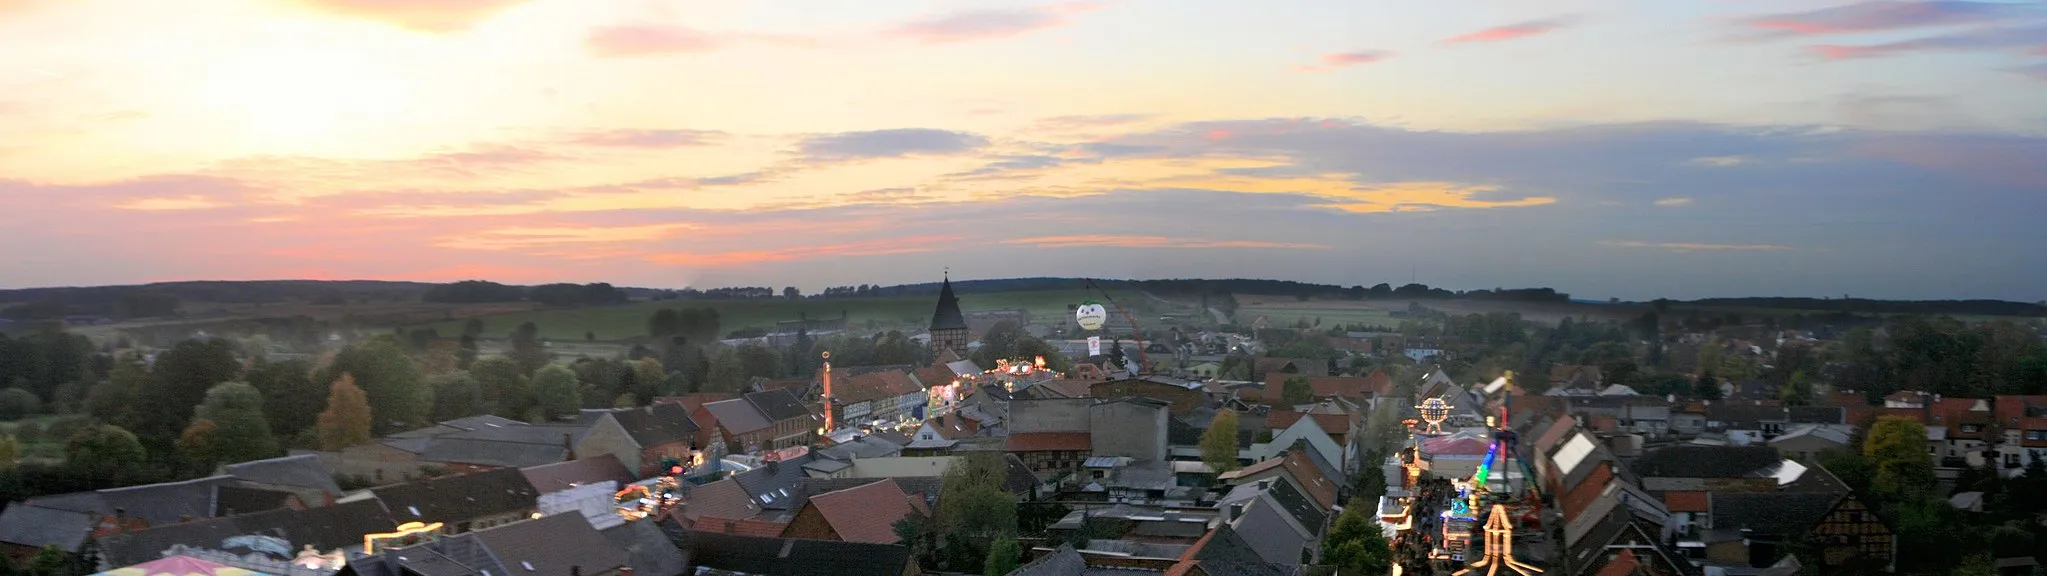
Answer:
(948, 315)
(948, 325)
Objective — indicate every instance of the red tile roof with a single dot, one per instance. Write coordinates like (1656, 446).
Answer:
(873, 386)
(866, 513)
(1068, 388)
(1685, 501)
(2012, 414)
(1355, 387)
(1623, 564)
(693, 401)
(952, 427)
(1049, 442)
(739, 526)
(934, 376)
(1321, 488)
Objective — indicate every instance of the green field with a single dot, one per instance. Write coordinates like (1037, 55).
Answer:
(614, 323)
(41, 445)
(1286, 314)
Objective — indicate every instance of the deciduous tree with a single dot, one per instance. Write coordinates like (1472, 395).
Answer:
(178, 382)
(1296, 391)
(505, 392)
(292, 399)
(1896, 448)
(347, 420)
(456, 395)
(1355, 544)
(397, 391)
(1219, 443)
(103, 445)
(557, 392)
(242, 433)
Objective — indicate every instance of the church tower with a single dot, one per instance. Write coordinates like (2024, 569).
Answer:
(948, 325)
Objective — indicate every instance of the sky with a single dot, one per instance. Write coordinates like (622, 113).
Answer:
(1606, 148)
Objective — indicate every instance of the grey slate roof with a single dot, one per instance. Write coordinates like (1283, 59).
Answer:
(779, 404)
(565, 475)
(460, 497)
(325, 528)
(805, 488)
(36, 526)
(492, 453)
(790, 556)
(1063, 561)
(1769, 514)
(657, 424)
(647, 549)
(303, 471)
(552, 545)
(1691, 461)
(738, 416)
(229, 500)
(1228, 554)
(1299, 505)
(156, 504)
(775, 478)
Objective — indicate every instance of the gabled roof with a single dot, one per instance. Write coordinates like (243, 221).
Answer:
(737, 416)
(723, 499)
(646, 547)
(1770, 514)
(947, 316)
(1298, 505)
(874, 385)
(492, 453)
(552, 545)
(656, 424)
(565, 475)
(1224, 552)
(459, 497)
(1358, 387)
(867, 513)
(779, 404)
(1330, 423)
(325, 528)
(773, 481)
(1692, 461)
(301, 471)
(156, 504)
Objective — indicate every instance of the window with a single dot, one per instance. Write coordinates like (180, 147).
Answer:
(2011, 460)
(1972, 428)
(2036, 434)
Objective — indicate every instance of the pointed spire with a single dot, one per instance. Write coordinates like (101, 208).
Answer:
(948, 316)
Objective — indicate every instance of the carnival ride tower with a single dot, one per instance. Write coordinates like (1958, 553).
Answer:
(1499, 549)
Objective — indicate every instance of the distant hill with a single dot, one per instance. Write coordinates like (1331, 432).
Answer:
(145, 300)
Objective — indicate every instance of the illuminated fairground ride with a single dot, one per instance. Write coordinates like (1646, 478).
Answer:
(639, 501)
(1457, 506)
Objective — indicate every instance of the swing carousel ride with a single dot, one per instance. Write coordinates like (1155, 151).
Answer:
(1434, 521)
(639, 501)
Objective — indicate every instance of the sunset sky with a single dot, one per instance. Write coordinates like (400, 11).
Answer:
(1626, 148)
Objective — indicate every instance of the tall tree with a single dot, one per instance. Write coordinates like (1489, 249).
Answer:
(178, 382)
(1797, 391)
(242, 433)
(649, 378)
(728, 372)
(115, 399)
(977, 508)
(292, 399)
(1896, 447)
(505, 392)
(398, 394)
(1219, 442)
(1707, 388)
(346, 422)
(1003, 557)
(557, 392)
(527, 349)
(759, 361)
(197, 443)
(456, 395)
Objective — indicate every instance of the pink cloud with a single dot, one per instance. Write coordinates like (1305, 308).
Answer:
(1510, 32)
(1347, 59)
(627, 41)
(911, 245)
(989, 24)
(1882, 16)
(437, 16)
(650, 138)
(1128, 241)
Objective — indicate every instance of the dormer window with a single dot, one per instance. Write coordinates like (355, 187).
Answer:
(1972, 428)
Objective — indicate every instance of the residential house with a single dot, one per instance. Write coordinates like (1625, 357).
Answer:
(885, 396)
(1050, 454)
(867, 513)
(1574, 380)
(463, 502)
(2022, 423)
(1306, 430)
(301, 474)
(561, 476)
(1264, 367)
(1683, 476)
(1295, 467)
(461, 445)
(1357, 390)
(1768, 421)
(68, 520)
(641, 438)
(1283, 525)
(561, 544)
(1129, 427)
(738, 427)
(1808, 441)
(1755, 526)
(794, 423)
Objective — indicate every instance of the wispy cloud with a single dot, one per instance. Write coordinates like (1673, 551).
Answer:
(1346, 59)
(649, 40)
(1882, 16)
(1718, 161)
(1512, 31)
(2016, 39)
(1119, 241)
(893, 143)
(2036, 71)
(650, 138)
(1673, 202)
(1695, 246)
(991, 24)
(909, 245)
(438, 16)
(1072, 123)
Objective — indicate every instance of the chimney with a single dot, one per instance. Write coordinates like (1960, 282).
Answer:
(575, 571)
(625, 571)
(569, 445)
(1235, 511)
